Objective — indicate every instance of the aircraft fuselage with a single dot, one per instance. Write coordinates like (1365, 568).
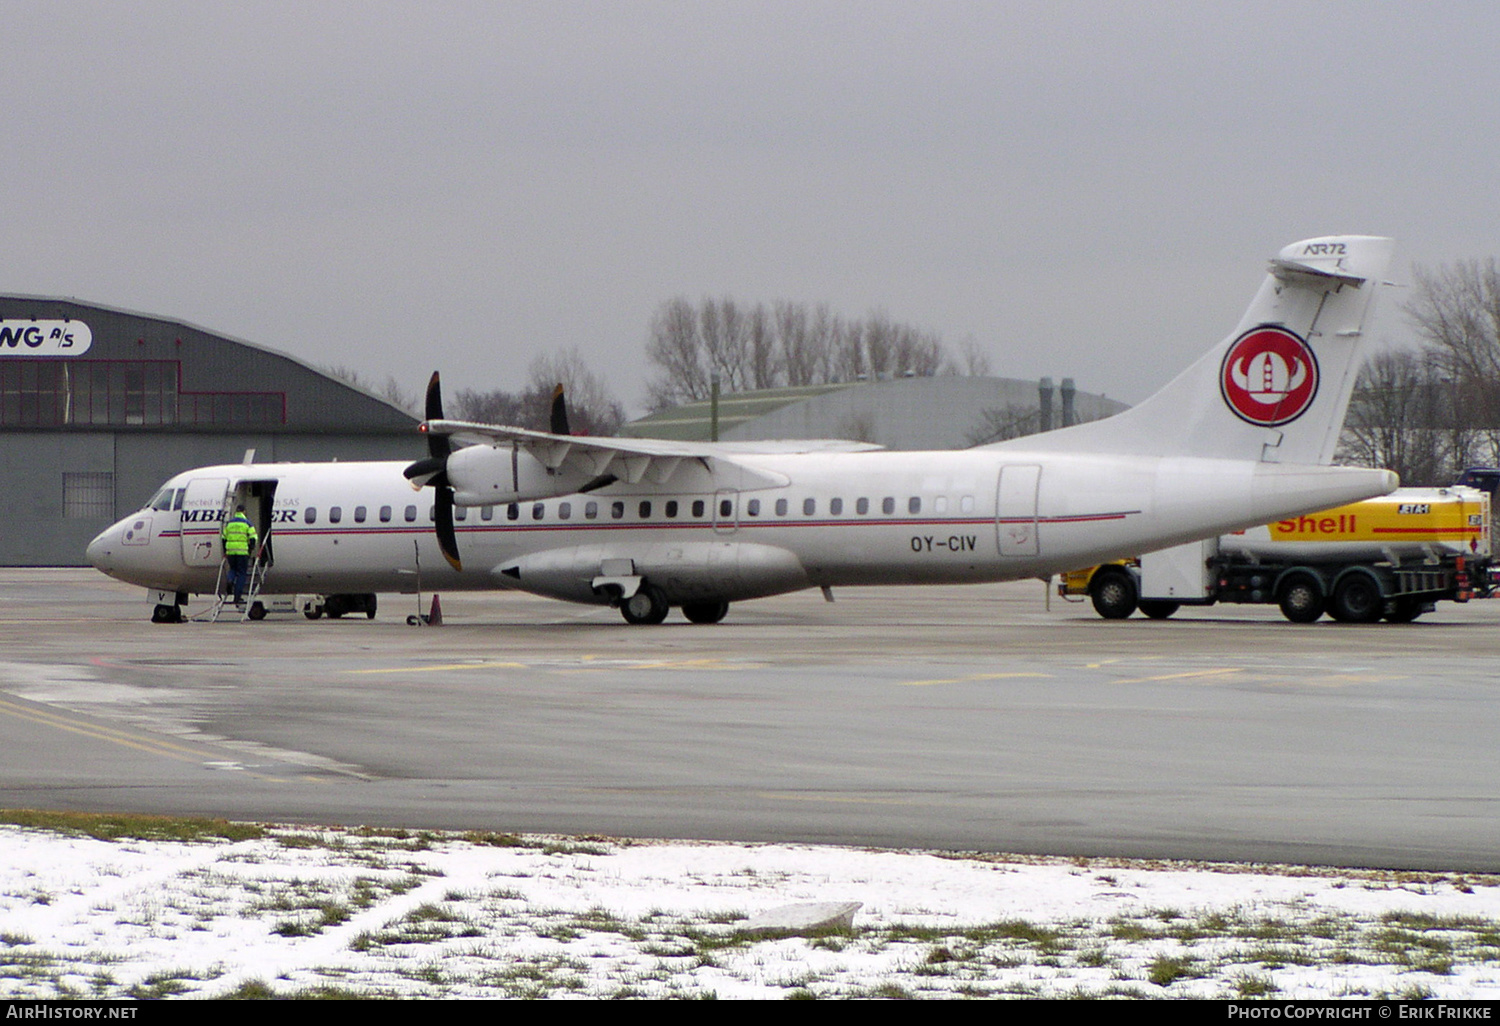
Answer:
(839, 519)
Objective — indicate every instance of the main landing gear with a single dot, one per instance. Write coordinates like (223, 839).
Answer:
(649, 605)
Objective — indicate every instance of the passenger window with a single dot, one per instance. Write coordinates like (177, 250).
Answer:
(591, 511)
(359, 514)
(310, 515)
(861, 506)
(513, 511)
(781, 507)
(335, 514)
(385, 514)
(809, 507)
(726, 508)
(966, 504)
(835, 506)
(914, 504)
(460, 513)
(887, 505)
(645, 510)
(487, 513)
(752, 508)
(670, 509)
(940, 504)
(432, 513)
(410, 513)
(564, 510)
(616, 510)
(697, 507)
(538, 510)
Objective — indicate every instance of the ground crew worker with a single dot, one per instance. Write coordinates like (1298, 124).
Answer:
(238, 535)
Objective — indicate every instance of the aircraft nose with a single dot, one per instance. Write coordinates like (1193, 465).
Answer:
(102, 548)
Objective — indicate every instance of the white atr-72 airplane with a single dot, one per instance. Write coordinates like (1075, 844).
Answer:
(1244, 436)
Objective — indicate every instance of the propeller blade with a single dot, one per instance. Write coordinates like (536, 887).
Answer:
(447, 537)
(431, 471)
(559, 412)
(438, 446)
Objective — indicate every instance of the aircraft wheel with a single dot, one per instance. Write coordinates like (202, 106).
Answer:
(1357, 599)
(648, 605)
(257, 611)
(1405, 610)
(1302, 600)
(1159, 609)
(369, 607)
(164, 613)
(705, 612)
(1113, 593)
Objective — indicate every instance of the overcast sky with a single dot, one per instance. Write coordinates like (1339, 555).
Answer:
(1082, 189)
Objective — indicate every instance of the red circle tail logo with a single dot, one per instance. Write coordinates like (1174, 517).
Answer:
(1269, 377)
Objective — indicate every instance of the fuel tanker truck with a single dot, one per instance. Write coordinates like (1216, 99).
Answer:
(1389, 558)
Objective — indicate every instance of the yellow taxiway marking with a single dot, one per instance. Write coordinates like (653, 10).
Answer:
(849, 800)
(445, 666)
(1220, 672)
(151, 746)
(964, 680)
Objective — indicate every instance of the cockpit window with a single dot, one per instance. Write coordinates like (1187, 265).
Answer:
(161, 500)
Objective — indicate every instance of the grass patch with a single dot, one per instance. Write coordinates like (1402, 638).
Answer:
(1247, 985)
(106, 826)
(1166, 971)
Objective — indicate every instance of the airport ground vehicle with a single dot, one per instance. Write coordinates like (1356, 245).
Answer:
(1391, 557)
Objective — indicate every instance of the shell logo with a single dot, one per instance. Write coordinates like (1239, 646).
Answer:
(1269, 377)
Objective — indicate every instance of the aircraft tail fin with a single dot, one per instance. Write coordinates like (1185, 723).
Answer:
(1276, 390)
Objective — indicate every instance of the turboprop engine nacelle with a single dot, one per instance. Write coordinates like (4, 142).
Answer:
(482, 475)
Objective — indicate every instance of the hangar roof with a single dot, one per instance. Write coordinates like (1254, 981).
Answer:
(130, 371)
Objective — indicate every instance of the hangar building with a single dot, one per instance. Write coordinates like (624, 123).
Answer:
(99, 406)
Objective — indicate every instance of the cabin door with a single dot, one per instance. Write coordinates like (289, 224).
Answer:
(1015, 510)
(202, 516)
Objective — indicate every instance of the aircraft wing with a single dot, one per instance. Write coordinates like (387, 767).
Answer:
(631, 459)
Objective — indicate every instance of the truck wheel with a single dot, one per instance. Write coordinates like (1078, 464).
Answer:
(1113, 593)
(1357, 599)
(1159, 609)
(1302, 600)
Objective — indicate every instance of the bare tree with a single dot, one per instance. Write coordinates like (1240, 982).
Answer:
(1394, 420)
(592, 409)
(786, 344)
(1457, 313)
(676, 350)
(392, 391)
(1429, 414)
(496, 406)
(971, 362)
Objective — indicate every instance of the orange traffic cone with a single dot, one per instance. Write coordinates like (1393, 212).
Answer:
(435, 618)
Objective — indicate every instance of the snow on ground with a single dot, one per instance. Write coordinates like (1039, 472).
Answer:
(301, 911)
